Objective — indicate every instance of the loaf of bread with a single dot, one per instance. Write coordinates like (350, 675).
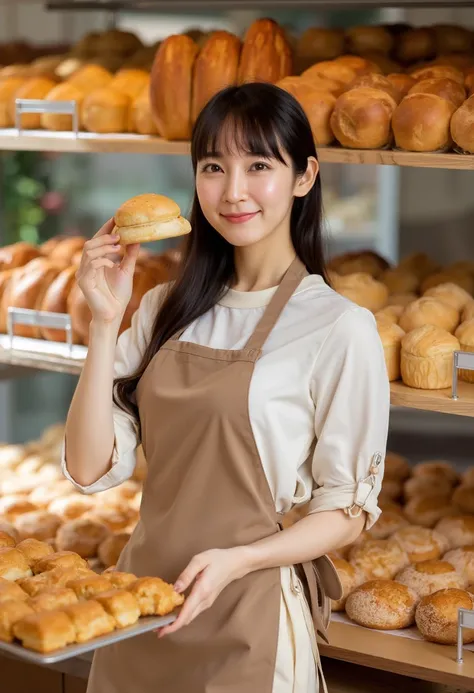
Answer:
(448, 89)
(361, 118)
(62, 92)
(421, 123)
(427, 358)
(55, 301)
(106, 110)
(17, 255)
(382, 604)
(429, 311)
(377, 81)
(266, 54)
(34, 88)
(462, 130)
(437, 616)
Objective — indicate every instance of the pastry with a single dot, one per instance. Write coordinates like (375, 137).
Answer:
(63, 559)
(362, 289)
(6, 540)
(119, 579)
(361, 118)
(82, 536)
(33, 549)
(40, 524)
(465, 334)
(437, 616)
(13, 564)
(427, 510)
(379, 558)
(427, 358)
(429, 311)
(396, 467)
(391, 336)
(121, 606)
(430, 576)
(382, 604)
(88, 587)
(56, 577)
(458, 530)
(421, 543)
(155, 597)
(266, 54)
(440, 469)
(111, 548)
(10, 591)
(52, 598)
(10, 613)
(149, 217)
(89, 619)
(45, 632)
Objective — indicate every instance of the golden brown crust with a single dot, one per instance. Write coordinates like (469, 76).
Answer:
(365, 39)
(106, 110)
(8, 88)
(89, 619)
(430, 576)
(10, 613)
(317, 44)
(55, 300)
(111, 548)
(379, 558)
(13, 564)
(421, 543)
(377, 81)
(462, 559)
(10, 591)
(448, 89)
(130, 81)
(361, 118)
(33, 549)
(427, 358)
(80, 313)
(362, 289)
(155, 597)
(333, 70)
(463, 497)
(316, 103)
(382, 604)
(437, 616)
(34, 88)
(457, 530)
(426, 511)
(440, 469)
(39, 524)
(421, 123)
(350, 578)
(6, 540)
(17, 255)
(90, 77)
(171, 86)
(391, 336)
(51, 599)
(121, 606)
(216, 67)
(62, 92)
(82, 536)
(63, 559)
(88, 587)
(119, 579)
(401, 81)
(438, 72)
(45, 632)
(266, 54)
(141, 116)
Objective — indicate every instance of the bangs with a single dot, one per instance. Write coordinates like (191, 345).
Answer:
(231, 125)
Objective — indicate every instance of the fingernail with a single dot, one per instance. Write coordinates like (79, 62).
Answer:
(178, 587)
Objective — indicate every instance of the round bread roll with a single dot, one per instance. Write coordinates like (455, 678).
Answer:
(438, 72)
(463, 498)
(401, 300)
(467, 312)
(390, 314)
(350, 578)
(82, 536)
(427, 510)
(38, 524)
(451, 294)
(8, 89)
(360, 261)
(458, 277)
(71, 507)
(424, 486)
(8, 528)
(91, 77)
(415, 45)
(376, 81)
(440, 469)
(458, 530)
(34, 88)
(331, 69)
(462, 559)
(366, 39)
(379, 558)
(465, 334)
(68, 67)
(421, 543)
(130, 82)
(430, 576)
(361, 118)
(117, 41)
(402, 82)
(34, 550)
(106, 110)
(318, 44)
(388, 523)
(382, 604)
(362, 289)
(61, 92)
(17, 255)
(452, 39)
(170, 86)
(111, 548)
(448, 89)
(149, 217)
(462, 130)
(427, 358)
(391, 336)
(317, 104)
(397, 467)
(429, 311)
(399, 281)
(421, 123)
(116, 520)
(362, 66)
(437, 616)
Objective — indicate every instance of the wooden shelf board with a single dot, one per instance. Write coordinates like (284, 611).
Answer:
(434, 400)
(42, 140)
(398, 655)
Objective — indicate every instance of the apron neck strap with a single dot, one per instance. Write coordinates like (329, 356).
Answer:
(290, 282)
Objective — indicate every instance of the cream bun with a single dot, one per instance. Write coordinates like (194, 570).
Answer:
(149, 217)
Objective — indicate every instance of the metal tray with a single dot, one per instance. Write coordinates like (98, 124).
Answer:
(144, 625)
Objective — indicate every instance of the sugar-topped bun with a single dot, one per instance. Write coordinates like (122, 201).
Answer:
(437, 616)
(462, 559)
(350, 578)
(382, 604)
(426, 511)
(458, 530)
(389, 522)
(421, 543)
(379, 558)
(430, 576)
(149, 217)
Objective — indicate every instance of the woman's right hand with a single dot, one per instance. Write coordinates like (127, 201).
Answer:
(107, 285)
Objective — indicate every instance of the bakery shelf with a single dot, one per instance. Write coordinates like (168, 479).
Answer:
(149, 5)
(416, 658)
(434, 400)
(42, 140)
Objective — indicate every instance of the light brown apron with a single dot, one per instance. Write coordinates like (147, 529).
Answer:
(205, 489)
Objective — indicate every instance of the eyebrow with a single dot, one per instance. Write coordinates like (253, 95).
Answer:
(219, 155)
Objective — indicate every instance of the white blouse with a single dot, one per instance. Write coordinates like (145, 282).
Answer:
(319, 407)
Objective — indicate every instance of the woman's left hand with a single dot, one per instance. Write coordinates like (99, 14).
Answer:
(211, 572)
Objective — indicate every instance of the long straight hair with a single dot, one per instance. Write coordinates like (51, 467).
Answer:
(259, 119)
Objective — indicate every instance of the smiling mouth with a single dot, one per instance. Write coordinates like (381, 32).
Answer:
(239, 218)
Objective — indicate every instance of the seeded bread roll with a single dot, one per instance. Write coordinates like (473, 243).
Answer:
(437, 616)
(430, 576)
(458, 530)
(350, 578)
(421, 543)
(382, 604)
(379, 558)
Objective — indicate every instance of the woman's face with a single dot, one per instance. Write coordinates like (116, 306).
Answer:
(245, 197)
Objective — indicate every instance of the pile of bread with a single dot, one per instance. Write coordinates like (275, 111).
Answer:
(424, 312)
(37, 502)
(49, 599)
(366, 87)
(43, 278)
(416, 564)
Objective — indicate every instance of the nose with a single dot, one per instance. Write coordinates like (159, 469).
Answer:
(235, 189)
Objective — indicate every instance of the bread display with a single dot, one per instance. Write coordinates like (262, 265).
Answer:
(448, 89)
(361, 118)
(421, 123)
(427, 358)
(421, 543)
(382, 604)
(437, 616)
(316, 103)
(266, 55)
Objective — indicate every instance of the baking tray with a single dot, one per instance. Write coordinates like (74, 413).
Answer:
(144, 625)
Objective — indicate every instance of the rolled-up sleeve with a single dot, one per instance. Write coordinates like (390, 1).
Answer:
(351, 393)
(129, 352)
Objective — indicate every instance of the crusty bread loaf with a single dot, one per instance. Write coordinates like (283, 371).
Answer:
(61, 92)
(421, 123)
(382, 604)
(141, 116)
(106, 110)
(427, 577)
(437, 616)
(379, 558)
(80, 313)
(130, 82)
(171, 85)
(421, 543)
(34, 88)
(361, 118)
(377, 81)
(447, 88)
(17, 255)
(55, 301)
(429, 311)
(216, 67)
(316, 103)
(266, 54)
(401, 81)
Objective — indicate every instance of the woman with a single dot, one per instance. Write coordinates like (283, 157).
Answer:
(254, 388)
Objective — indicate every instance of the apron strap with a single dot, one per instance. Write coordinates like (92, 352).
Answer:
(290, 282)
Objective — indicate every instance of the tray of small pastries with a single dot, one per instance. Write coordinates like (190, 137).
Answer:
(53, 606)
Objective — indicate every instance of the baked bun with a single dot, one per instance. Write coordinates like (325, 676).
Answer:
(52, 599)
(130, 82)
(141, 116)
(379, 558)
(317, 44)
(367, 39)
(33, 549)
(8, 89)
(400, 281)
(439, 469)
(266, 55)
(111, 548)
(388, 523)
(62, 92)
(68, 67)
(89, 620)
(448, 89)
(362, 289)
(34, 88)
(376, 81)
(463, 498)
(468, 312)
(458, 530)
(430, 576)
(452, 39)
(119, 579)
(360, 65)
(438, 72)
(13, 564)
(331, 69)
(350, 578)
(451, 294)
(155, 597)
(421, 122)
(38, 524)
(316, 103)
(418, 263)
(462, 130)
(72, 506)
(462, 559)
(11, 591)
(6, 540)
(170, 86)
(391, 336)
(121, 606)
(106, 110)
(421, 543)
(149, 217)
(390, 314)
(401, 81)
(366, 261)
(361, 118)
(415, 45)
(59, 559)
(88, 587)
(17, 255)
(459, 277)
(437, 616)
(424, 486)
(83, 536)
(427, 358)
(382, 604)
(11, 613)
(427, 510)
(401, 299)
